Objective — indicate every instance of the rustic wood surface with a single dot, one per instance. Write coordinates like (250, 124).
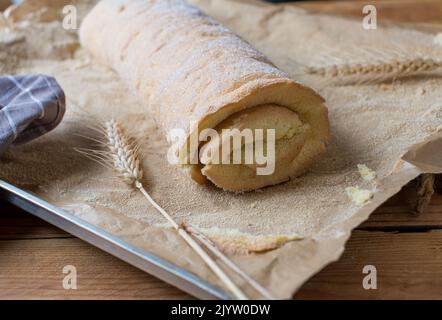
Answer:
(404, 11)
(406, 249)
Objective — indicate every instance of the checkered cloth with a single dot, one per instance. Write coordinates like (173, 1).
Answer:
(30, 105)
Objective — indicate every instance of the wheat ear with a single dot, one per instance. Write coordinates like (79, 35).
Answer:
(122, 153)
(380, 70)
(229, 263)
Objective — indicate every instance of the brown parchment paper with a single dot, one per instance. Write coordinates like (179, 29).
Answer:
(393, 128)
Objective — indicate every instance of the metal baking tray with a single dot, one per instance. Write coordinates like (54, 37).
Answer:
(99, 238)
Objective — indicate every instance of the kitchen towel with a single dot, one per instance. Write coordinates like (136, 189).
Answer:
(30, 106)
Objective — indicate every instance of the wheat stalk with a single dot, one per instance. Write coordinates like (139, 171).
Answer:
(362, 63)
(218, 253)
(122, 155)
(378, 70)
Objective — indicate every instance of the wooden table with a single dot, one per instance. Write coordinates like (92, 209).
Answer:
(406, 249)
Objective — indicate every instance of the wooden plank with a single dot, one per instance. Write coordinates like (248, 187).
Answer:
(409, 266)
(4, 4)
(408, 11)
(18, 224)
(438, 184)
(395, 215)
(33, 269)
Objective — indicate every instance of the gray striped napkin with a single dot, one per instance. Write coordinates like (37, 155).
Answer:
(30, 106)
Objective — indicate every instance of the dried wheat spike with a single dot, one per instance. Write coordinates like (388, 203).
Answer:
(377, 70)
(123, 153)
(122, 156)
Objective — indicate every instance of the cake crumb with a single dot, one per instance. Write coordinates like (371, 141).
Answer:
(358, 196)
(421, 91)
(253, 205)
(366, 173)
(438, 39)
